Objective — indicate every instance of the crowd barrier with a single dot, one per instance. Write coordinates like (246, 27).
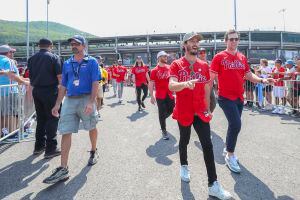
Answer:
(16, 111)
(270, 97)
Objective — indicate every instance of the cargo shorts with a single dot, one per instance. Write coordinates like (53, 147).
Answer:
(72, 112)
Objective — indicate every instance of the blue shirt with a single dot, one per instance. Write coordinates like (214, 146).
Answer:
(86, 72)
(7, 65)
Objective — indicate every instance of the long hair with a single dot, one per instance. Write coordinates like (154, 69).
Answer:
(136, 63)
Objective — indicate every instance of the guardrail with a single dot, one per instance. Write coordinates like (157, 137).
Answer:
(16, 111)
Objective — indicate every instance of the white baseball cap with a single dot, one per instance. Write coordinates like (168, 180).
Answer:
(162, 53)
(6, 48)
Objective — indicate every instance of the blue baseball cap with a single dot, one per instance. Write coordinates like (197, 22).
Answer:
(289, 62)
(78, 38)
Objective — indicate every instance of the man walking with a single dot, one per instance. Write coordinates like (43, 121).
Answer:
(189, 78)
(80, 78)
(230, 67)
(120, 74)
(159, 78)
(45, 76)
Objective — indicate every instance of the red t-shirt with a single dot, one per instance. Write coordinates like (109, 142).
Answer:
(231, 70)
(109, 73)
(278, 76)
(160, 76)
(112, 68)
(121, 71)
(190, 102)
(140, 75)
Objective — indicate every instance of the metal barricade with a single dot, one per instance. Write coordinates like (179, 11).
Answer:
(270, 97)
(16, 110)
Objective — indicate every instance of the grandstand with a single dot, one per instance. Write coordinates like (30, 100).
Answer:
(254, 44)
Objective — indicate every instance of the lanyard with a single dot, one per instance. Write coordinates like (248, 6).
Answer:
(76, 70)
(191, 67)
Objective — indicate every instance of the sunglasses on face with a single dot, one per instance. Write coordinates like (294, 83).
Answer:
(202, 52)
(233, 39)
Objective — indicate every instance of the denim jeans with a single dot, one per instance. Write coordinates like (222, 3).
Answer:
(233, 112)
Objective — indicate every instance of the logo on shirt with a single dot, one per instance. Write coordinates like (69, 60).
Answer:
(138, 70)
(236, 64)
(185, 76)
(162, 74)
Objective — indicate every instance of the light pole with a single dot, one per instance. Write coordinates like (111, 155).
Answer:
(48, 2)
(283, 17)
(235, 25)
(27, 31)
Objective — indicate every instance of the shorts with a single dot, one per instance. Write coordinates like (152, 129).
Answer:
(72, 111)
(269, 88)
(279, 92)
(100, 91)
(9, 105)
(249, 86)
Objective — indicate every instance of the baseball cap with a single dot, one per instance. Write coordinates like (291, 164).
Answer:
(161, 53)
(289, 62)
(191, 35)
(120, 60)
(278, 61)
(78, 38)
(45, 41)
(5, 49)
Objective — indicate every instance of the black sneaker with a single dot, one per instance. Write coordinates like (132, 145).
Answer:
(38, 151)
(94, 156)
(59, 174)
(143, 105)
(165, 135)
(139, 109)
(52, 154)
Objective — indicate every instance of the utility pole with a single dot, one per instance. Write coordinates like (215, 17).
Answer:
(235, 24)
(27, 31)
(283, 17)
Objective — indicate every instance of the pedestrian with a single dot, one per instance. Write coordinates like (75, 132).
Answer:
(141, 79)
(45, 76)
(120, 72)
(231, 68)
(278, 73)
(80, 76)
(159, 78)
(190, 79)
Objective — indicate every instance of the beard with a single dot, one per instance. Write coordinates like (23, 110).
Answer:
(192, 51)
(75, 50)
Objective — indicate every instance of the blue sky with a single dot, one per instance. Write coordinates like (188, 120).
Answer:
(131, 17)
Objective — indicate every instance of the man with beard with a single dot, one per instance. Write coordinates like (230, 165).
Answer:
(231, 68)
(80, 76)
(163, 96)
(189, 78)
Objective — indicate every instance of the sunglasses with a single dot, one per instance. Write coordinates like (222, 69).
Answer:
(202, 52)
(233, 39)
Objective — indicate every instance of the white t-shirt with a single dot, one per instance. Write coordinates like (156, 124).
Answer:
(265, 71)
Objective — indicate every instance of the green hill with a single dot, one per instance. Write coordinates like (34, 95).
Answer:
(15, 32)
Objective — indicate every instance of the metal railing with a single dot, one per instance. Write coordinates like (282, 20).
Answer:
(271, 97)
(16, 111)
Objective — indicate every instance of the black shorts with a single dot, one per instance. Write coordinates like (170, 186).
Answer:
(249, 86)
(269, 88)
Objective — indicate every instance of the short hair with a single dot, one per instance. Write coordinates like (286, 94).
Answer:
(231, 31)
(265, 61)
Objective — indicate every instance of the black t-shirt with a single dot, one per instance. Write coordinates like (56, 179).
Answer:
(44, 67)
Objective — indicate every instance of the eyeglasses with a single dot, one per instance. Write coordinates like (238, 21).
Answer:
(202, 52)
(74, 44)
(233, 39)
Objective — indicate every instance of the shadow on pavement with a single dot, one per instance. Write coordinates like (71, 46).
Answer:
(162, 149)
(110, 97)
(65, 190)
(112, 105)
(218, 146)
(186, 191)
(19, 174)
(132, 102)
(247, 185)
(4, 147)
(135, 116)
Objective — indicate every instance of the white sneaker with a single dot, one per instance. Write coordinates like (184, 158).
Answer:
(185, 173)
(269, 107)
(225, 153)
(281, 111)
(276, 110)
(232, 164)
(216, 190)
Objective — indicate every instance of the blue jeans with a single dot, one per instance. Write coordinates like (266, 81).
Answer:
(233, 112)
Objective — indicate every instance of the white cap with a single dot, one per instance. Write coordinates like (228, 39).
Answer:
(162, 53)
(6, 48)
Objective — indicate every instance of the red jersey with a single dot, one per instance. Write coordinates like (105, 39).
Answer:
(160, 76)
(109, 73)
(278, 76)
(190, 102)
(140, 75)
(231, 70)
(121, 71)
(112, 68)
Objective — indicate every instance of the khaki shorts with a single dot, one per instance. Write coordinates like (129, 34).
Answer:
(100, 91)
(72, 112)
